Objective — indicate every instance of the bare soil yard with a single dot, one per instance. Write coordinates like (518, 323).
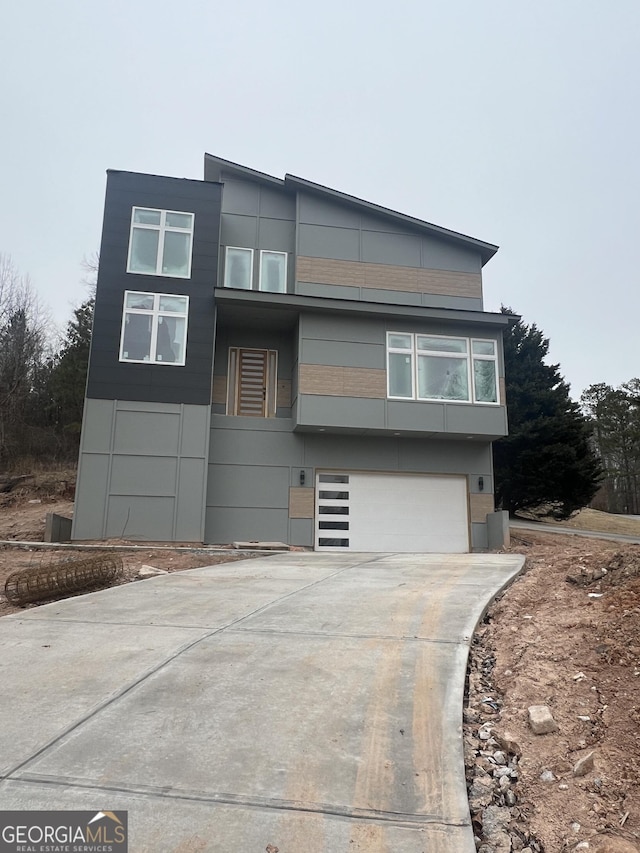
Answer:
(566, 635)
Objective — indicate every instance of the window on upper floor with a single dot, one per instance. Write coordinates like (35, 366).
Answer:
(239, 272)
(252, 382)
(160, 242)
(438, 367)
(154, 328)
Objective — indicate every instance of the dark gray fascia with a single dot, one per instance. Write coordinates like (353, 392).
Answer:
(215, 166)
(254, 298)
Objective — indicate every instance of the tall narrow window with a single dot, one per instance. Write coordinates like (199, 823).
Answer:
(273, 271)
(154, 328)
(400, 365)
(485, 369)
(160, 242)
(238, 269)
(252, 382)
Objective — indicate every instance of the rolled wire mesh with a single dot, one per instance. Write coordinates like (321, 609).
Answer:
(53, 579)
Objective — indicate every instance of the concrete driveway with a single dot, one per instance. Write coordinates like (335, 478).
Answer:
(311, 702)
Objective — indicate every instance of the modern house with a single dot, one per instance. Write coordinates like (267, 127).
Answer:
(275, 360)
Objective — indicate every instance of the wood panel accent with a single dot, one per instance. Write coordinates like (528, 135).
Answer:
(283, 393)
(480, 505)
(388, 277)
(219, 390)
(335, 381)
(301, 502)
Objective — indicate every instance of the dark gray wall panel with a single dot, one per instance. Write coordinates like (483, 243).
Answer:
(443, 255)
(332, 327)
(341, 412)
(462, 303)
(441, 457)
(264, 447)
(241, 197)
(277, 235)
(342, 353)
(92, 489)
(143, 475)
(327, 291)
(189, 523)
(301, 531)
(277, 205)
(479, 537)
(395, 249)
(400, 297)
(316, 211)
(238, 231)
(110, 379)
(98, 426)
(247, 525)
(324, 241)
(490, 420)
(248, 485)
(141, 518)
(147, 433)
(424, 417)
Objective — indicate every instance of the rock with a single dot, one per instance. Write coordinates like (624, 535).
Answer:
(499, 757)
(495, 819)
(541, 720)
(547, 776)
(510, 798)
(504, 783)
(584, 765)
(150, 572)
(508, 743)
(612, 844)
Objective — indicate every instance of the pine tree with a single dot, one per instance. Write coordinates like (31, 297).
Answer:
(546, 463)
(69, 375)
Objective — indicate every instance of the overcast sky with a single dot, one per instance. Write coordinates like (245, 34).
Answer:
(512, 121)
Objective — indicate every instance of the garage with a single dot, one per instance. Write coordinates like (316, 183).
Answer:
(357, 511)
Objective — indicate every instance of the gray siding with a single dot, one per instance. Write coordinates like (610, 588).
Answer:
(142, 471)
(329, 230)
(257, 217)
(253, 463)
(342, 341)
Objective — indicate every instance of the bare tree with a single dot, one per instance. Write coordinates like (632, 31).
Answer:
(23, 333)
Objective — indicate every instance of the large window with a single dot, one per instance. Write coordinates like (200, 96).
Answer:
(239, 272)
(435, 367)
(154, 328)
(160, 242)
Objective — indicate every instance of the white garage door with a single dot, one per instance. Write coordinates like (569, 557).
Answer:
(391, 512)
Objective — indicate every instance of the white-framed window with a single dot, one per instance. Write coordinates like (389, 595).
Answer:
(239, 272)
(273, 271)
(440, 367)
(238, 268)
(154, 328)
(160, 242)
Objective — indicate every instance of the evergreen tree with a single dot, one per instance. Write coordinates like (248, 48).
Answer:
(546, 462)
(69, 373)
(615, 415)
